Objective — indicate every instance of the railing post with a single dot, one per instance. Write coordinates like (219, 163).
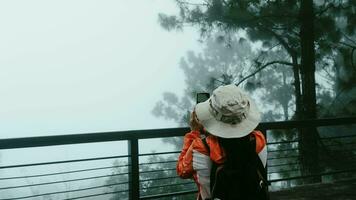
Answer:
(134, 178)
(264, 132)
(309, 152)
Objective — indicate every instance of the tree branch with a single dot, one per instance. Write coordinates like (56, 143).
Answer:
(280, 39)
(348, 38)
(278, 16)
(353, 48)
(348, 45)
(263, 67)
(321, 12)
(327, 112)
(217, 80)
(332, 5)
(352, 58)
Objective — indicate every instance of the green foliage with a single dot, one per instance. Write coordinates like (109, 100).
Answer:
(169, 22)
(217, 65)
(118, 182)
(154, 179)
(276, 26)
(277, 22)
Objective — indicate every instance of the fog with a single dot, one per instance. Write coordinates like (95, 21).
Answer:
(84, 66)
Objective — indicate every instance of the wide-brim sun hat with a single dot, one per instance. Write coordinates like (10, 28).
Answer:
(228, 113)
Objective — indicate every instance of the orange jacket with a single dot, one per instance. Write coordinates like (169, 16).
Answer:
(192, 141)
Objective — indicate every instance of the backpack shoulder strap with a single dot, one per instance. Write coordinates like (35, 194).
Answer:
(262, 173)
(261, 170)
(203, 139)
(260, 167)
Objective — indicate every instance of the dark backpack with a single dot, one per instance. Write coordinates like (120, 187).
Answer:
(247, 183)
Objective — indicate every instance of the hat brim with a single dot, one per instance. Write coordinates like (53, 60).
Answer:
(226, 130)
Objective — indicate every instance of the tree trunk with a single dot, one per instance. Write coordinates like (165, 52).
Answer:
(284, 102)
(293, 54)
(308, 145)
(297, 91)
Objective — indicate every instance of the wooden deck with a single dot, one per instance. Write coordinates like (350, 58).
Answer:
(343, 190)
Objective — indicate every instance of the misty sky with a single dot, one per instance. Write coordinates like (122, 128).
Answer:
(75, 66)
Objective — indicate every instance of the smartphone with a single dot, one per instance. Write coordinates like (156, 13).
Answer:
(203, 96)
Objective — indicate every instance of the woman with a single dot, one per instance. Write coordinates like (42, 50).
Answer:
(222, 129)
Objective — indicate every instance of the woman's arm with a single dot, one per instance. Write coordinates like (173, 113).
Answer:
(185, 159)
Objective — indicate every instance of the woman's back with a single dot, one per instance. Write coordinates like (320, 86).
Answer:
(237, 178)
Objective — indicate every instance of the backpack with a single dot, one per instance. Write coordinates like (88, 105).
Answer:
(248, 183)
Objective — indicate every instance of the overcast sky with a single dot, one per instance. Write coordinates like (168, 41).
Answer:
(75, 66)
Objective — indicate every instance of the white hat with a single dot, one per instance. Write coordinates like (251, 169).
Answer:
(228, 113)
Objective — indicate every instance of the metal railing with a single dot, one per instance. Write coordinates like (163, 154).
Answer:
(144, 180)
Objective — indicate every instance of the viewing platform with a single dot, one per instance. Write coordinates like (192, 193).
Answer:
(142, 175)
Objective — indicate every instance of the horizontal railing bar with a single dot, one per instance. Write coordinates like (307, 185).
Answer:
(170, 185)
(169, 194)
(290, 149)
(281, 162)
(338, 156)
(307, 123)
(59, 173)
(158, 162)
(60, 192)
(278, 165)
(157, 170)
(342, 150)
(337, 137)
(162, 178)
(95, 195)
(313, 175)
(155, 133)
(283, 171)
(159, 153)
(282, 142)
(339, 163)
(89, 138)
(282, 157)
(333, 162)
(56, 182)
(341, 145)
(63, 161)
